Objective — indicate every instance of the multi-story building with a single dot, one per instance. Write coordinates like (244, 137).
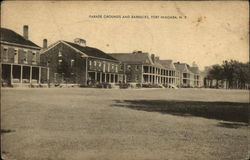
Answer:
(20, 60)
(189, 76)
(172, 74)
(76, 63)
(197, 78)
(185, 74)
(144, 68)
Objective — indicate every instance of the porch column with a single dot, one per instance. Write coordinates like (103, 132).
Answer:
(105, 77)
(30, 73)
(95, 76)
(39, 78)
(11, 74)
(100, 77)
(109, 78)
(21, 75)
(154, 74)
(48, 74)
(113, 78)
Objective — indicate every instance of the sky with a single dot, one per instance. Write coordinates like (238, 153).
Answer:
(208, 32)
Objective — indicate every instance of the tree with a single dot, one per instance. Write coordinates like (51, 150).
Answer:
(216, 72)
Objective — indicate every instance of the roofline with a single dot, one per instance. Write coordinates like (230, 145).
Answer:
(61, 41)
(16, 44)
(84, 55)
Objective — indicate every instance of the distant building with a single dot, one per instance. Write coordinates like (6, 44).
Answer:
(189, 76)
(173, 75)
(20, 60)
(197, 77)
(144, 68)
(76, 63)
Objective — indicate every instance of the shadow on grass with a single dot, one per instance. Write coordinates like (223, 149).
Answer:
(227, 111)
(3, 131)
(231, 125)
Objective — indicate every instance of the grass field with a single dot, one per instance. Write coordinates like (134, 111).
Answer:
(129, 124)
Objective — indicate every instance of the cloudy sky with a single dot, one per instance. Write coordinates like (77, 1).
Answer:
(210, 33)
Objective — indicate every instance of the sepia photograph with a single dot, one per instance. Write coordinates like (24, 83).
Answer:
(125, 80)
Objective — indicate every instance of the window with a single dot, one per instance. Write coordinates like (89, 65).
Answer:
(116, 68)
(112, 66)
(33, 57)
(72, 62)
(5, 54)
(129, 67)
(90, 62)
(121, 66)
(15, 56)
(136, 67)
(25, 57)
(60, 61)
(95, 63)
(108, 67)
(104, 66)
(59, 54)
(100, 64)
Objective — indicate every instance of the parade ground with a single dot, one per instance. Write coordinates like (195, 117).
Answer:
(124, 124)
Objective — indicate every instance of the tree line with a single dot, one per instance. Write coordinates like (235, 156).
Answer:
(230, 74)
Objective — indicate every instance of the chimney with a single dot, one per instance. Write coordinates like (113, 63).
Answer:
(26, 32)
(45, 43)
(80, 42)
(153, 57)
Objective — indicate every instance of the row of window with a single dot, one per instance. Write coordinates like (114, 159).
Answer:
(24, 58)
(100, 64)
(72, 62)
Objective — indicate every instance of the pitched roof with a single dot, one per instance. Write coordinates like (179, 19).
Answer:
(10, 36)
(132, 57)
(138, 57)
(195, 70)
(93, 52)
(182, 67)
(167, 64)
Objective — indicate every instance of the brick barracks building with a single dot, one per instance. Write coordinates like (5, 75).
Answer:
(189, 76)
(20, 60)
(76, 63)
(144, 68)
(23, 63)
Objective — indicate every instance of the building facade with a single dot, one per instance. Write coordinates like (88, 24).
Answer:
(20, 60)
(143, 68)
(76, 63)
(189, 76)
